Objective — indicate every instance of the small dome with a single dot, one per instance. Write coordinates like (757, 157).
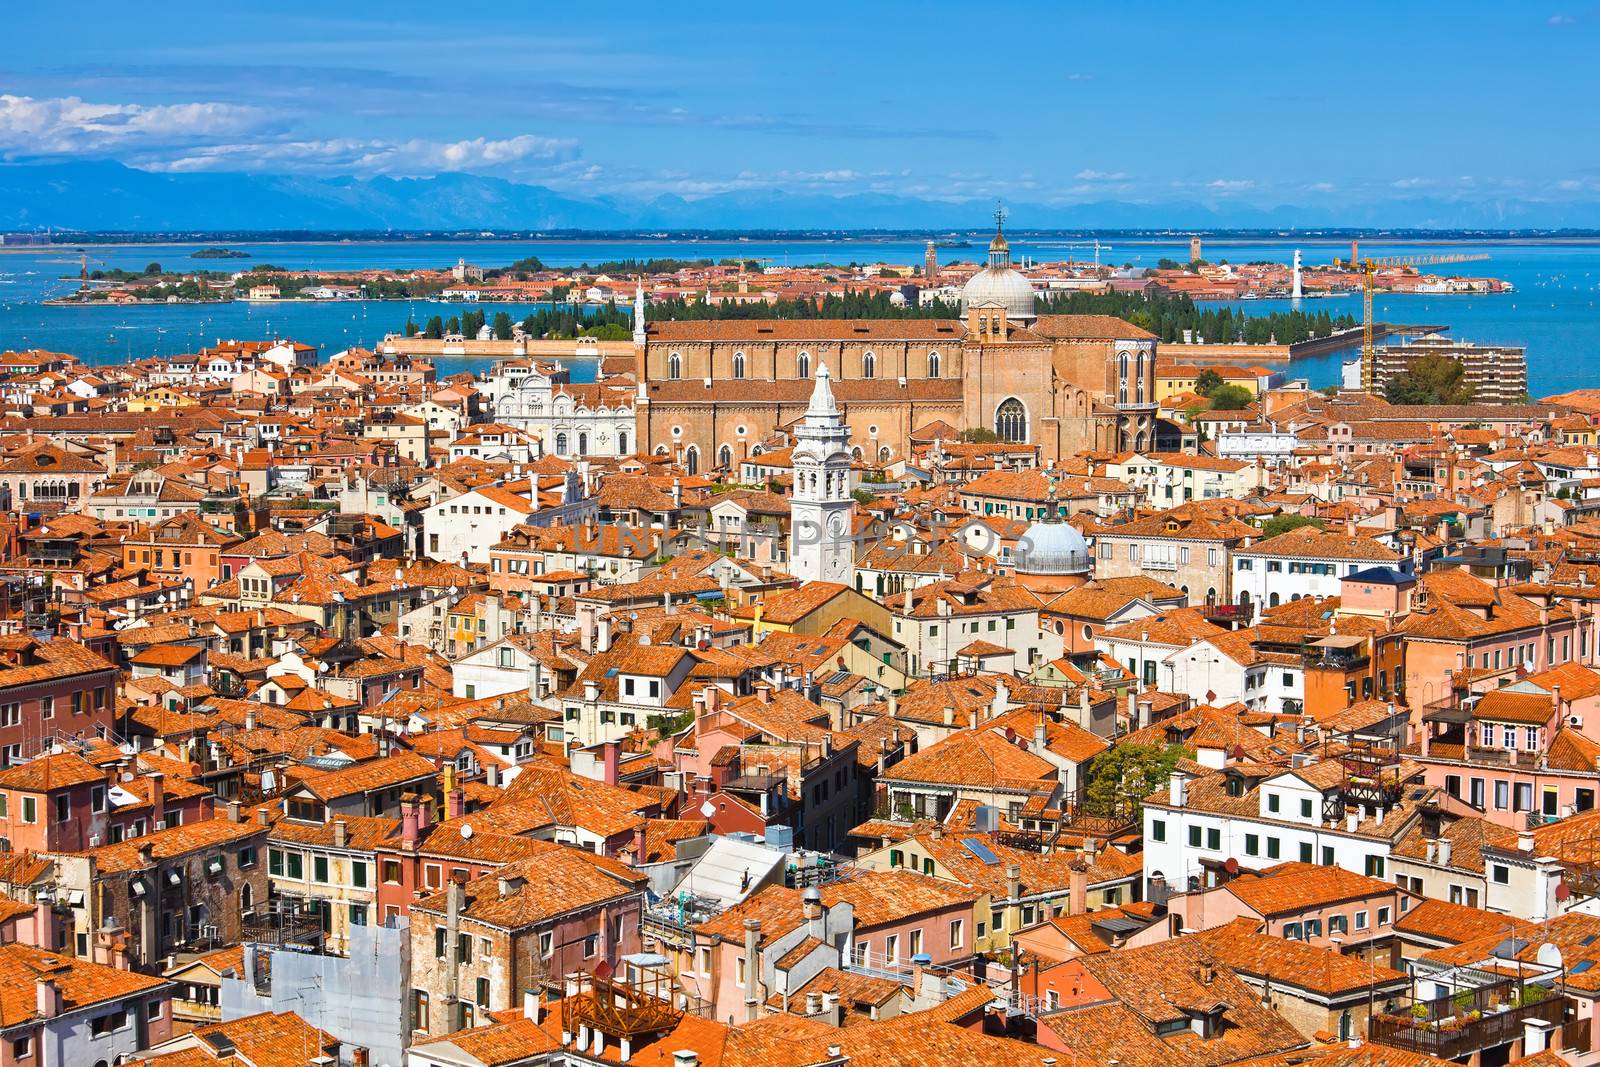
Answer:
(1052, 547)
(1000, 285)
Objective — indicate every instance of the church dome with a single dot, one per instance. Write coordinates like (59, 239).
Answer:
(1004, 286)
(1000, 283)
(1052, 547)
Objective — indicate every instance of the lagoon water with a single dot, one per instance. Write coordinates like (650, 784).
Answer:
(1555, 310)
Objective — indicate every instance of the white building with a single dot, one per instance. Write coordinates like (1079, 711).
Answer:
(1304, 562)
(1303, 814)
(594, 419)
(821, 545)
(464, 528)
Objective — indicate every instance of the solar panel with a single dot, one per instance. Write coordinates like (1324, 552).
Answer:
(1509, 948)
(611, 672)
(980, 850)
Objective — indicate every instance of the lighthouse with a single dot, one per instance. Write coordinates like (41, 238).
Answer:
(1297, 294)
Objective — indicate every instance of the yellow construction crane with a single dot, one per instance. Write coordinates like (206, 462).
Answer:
(1369, 269)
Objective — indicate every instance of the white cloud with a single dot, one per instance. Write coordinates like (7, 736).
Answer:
(415, 157)
(1560, 20)
(1230, 185)
(1412, 183)
(1089, 175)
(69, 125)
(1080, 77)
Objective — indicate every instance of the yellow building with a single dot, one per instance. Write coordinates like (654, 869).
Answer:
(1174, 379)
(153, 400)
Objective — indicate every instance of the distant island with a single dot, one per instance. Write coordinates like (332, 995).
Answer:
(219, 253)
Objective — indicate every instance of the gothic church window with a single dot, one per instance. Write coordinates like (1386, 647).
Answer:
(1011, 421)
(802, 365)
(738, 364)
(869, 365)
(675, 366)
(933, 364)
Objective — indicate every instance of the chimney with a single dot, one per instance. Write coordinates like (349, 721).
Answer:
(455, 803)
(1177, 789)
(1444, 852)
(264, 816)
(1014, 881)
(47, 998)
(249, 718)
(341, 833)
(685, 1058)
(1078, 887)
(639, 844)
(410, 827)
(949, 715)
(359, 1056)
(234, 811)
(764, 692)
(1525, 841)
(158, 797)
(752, 971)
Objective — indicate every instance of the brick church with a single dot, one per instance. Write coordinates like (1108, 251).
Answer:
(710, 390)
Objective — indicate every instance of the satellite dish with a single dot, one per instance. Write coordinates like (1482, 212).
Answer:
(708, 809)
(466, 830)
(1231, 865)
(1563, 892)
(1549, 956)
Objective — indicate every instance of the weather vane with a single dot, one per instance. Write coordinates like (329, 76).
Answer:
(999, 216)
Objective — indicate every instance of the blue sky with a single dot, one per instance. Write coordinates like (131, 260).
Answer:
(1046, 102)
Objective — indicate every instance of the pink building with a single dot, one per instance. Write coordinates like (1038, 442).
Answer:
(1328, 907)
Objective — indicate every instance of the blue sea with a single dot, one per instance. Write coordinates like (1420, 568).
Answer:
(1554, 312)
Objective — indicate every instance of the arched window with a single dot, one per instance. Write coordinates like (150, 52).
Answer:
(675, 366)
(661, 450)
(583, 444)
(561, 444)
(1011, 421)
(725, 457)
(691, 460)
(1122, 378)
(1272, 600)
(869, 365)
(802, 365)
(1138, 382)
(855, 453)
(933, 364)
(622, 443)
(884, 453)
(247, 897)
(738, 364)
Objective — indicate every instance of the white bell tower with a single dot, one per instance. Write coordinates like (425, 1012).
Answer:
(821, 546)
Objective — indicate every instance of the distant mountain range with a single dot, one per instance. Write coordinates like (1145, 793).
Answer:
(109, 196)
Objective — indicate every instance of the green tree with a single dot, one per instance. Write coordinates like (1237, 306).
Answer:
(1432, 379)
(502, 325)
(152, 268)
(1207, 382)
(452, 325)
(434, 329)
(1279, 524)
(862, 496)
(609, 331)
(1123, 775)
(979, 435)
(1230, 398)
(411, 328)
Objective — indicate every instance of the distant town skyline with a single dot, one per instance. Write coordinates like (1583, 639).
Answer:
(1048, 105)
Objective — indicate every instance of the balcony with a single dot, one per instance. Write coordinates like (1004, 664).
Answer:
(1470, 1021)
